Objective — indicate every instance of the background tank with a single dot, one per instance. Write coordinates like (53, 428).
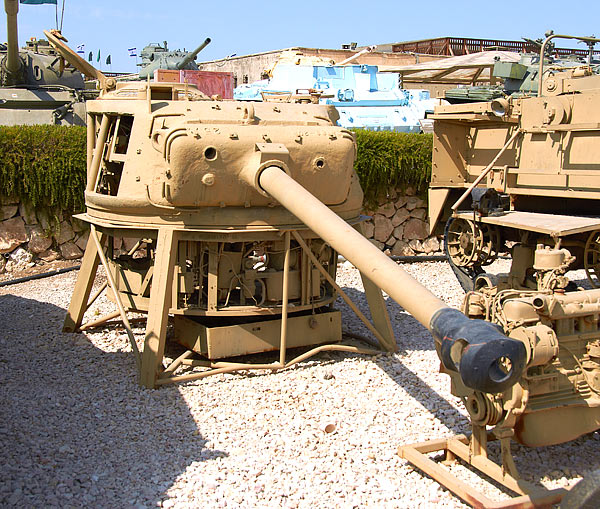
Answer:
(154, 56)
(521, 78)
(364, 97)
(37, 86)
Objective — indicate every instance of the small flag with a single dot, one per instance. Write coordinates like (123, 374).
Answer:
(98, 59)
(38, 2)
(90, 57)
(132, 52)
(81, 49)
(108, 60)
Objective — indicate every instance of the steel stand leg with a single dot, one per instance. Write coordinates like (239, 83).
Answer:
(158, 310)
(83, 286)
(377, 307)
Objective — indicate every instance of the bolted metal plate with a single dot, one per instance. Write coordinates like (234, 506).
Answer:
(217, 342)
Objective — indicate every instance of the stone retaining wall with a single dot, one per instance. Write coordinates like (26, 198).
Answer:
(28, 235)
(398, 227)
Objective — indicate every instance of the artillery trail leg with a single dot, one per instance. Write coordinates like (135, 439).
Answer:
(158, 310)
(83, 286)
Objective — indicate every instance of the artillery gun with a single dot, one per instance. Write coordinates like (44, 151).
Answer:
(522, 174)
(234, 214)
(36, 85)
(237, 213)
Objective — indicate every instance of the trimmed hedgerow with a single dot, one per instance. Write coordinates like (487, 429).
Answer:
(388, 160)
(44, 165)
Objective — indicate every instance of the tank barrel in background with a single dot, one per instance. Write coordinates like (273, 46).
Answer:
(482, 343)
(368, 49)
(13, 62)
(193, 54)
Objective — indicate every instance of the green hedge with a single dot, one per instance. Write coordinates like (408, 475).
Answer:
(388, 160)
(44, 165)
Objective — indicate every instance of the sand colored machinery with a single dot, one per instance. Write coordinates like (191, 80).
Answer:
(234, 215)
(521, 174)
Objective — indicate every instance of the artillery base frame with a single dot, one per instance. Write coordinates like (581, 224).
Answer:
(460, 446)
(151, 370)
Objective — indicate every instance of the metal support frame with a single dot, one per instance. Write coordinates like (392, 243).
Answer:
(473, 452)
(228, 367)
(152, 373)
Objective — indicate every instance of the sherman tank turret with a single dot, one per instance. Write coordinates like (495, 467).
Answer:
(235, 214)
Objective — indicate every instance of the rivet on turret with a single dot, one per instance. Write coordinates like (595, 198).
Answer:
(139, 151)
(234, 136)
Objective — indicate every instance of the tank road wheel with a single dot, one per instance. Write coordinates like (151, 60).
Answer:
(591, 258)
(469, 246)
(490, 245)
(463, 242)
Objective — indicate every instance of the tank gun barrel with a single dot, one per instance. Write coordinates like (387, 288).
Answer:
(368, 49)
(192, 54)
(485, 358)
(13, 62)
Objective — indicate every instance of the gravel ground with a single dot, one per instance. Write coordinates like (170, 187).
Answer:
(77, 430)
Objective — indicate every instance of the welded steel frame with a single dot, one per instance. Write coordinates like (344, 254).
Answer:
(472, 451)
(151, 371)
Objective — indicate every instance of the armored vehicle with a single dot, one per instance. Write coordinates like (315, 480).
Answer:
(154, 56)
(364, 97)
(520, 79)
(36, 85)
(234, 214)
(522, 173)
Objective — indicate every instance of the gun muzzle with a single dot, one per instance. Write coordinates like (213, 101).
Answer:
(485, 358)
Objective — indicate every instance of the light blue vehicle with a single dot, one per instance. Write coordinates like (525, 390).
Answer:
(364, 97)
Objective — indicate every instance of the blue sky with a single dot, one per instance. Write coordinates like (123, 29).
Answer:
(254, 26)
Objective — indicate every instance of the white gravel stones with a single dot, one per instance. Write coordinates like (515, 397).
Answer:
(76, 430)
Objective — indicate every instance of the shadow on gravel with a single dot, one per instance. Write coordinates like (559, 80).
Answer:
(76, 429)
(413, 336)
